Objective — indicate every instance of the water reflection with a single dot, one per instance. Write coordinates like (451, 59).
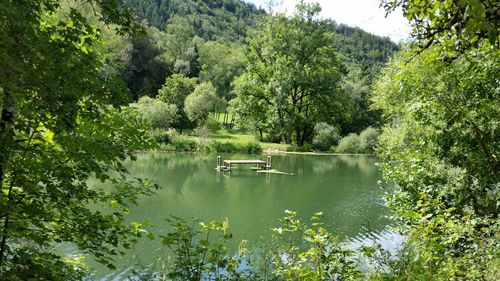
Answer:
(344, 188)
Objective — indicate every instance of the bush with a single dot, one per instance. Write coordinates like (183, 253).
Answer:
(368, 139)
(252, 148)
(200, 251)
(182, 143)
(325, 136)
(163, 137)
(201, 102)
(212, 125)
(298, 249)
(349, 144)
(215, 146)
(158, 114)
(318, 254)
(172, 133)
(159, 136)
(305, 148)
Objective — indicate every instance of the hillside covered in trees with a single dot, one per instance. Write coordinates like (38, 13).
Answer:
(206, 40)
(211, 19)
(229, 20)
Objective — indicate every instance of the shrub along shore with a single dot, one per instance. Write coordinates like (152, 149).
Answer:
(229, 141)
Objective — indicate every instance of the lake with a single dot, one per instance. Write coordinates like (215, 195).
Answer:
(344, 188)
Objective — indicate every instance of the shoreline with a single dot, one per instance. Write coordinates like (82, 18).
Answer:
(279, 151)
(268, 151)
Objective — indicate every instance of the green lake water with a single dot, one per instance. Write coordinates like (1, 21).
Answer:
(344, 188)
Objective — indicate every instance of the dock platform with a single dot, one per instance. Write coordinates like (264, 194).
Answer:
(225, 165)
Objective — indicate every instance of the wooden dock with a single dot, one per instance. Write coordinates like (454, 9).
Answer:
(225, 165)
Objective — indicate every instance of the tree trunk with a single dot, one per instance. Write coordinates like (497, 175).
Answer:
(298, 137)
(5, 129)
(289, 133)
(286, 131)
(6, 138)
(3, 243)
(308, 132)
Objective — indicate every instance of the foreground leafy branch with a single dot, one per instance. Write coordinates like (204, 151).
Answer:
(442, 151)
(61, 125)
(298, 251)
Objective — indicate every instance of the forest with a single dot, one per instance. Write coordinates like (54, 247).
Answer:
(197, 46)
(87, 85)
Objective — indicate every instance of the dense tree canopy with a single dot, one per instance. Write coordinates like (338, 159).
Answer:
(221, 64)
(211, 19)
(60, 125)
(201, 102)
(178, 48)
(178, 44)
(145, 70)
(452, 108)
(441, 148)
(293, 61)
(174, 91)
(453, 25)
(361, 50)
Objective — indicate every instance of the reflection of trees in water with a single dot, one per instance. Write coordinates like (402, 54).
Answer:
(348, 185)
(159, 160)
(344, 187)
(170, 170)
(365, 164)
(352, 181)
(327, 164)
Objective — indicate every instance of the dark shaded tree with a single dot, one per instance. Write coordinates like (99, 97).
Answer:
(146, 71)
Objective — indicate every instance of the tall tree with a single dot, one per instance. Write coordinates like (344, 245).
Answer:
(248, 109)
(158, 114)
(58, 128)
(201, 102)
(175, 90)
(293, 60)
(358, 89)
(221, 64)
(146, 68)
(178, 47)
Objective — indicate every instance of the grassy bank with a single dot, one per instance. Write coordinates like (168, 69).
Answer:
(219, 141)
(231, 141)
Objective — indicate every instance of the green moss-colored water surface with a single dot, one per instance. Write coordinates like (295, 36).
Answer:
(344, 188)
